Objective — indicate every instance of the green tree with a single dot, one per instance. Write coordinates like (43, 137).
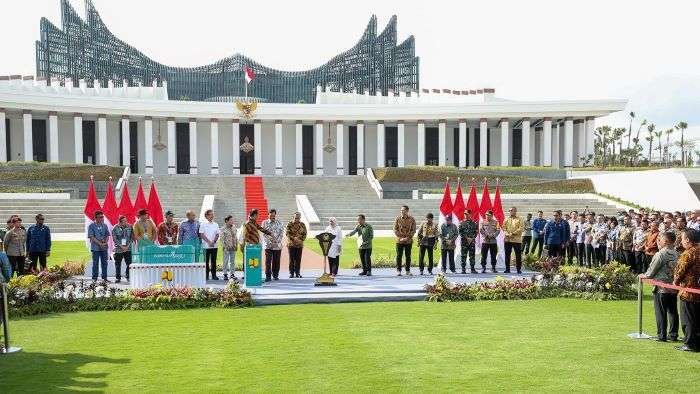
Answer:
(668, 146)
(650, 138)
(681, 126)
(658, 135)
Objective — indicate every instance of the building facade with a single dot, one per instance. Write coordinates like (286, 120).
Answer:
(86, 49)
(342, 133)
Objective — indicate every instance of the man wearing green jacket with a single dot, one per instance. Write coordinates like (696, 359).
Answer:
(365, 234)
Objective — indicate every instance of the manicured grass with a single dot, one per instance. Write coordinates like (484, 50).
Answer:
(37, 171)
(564, 186)
(62, 251)
(552, 345)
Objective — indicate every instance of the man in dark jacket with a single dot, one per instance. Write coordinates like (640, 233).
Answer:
(38, 243)
(556, 234)
(665, 300)
(538, 233)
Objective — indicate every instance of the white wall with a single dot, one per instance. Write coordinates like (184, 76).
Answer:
(66, 140)
(410, 144)
(17, 139)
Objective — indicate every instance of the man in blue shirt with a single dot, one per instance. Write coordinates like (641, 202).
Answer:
(189, 229)
(98, 233)
(538, 233)
(38, 243)
(556, 234)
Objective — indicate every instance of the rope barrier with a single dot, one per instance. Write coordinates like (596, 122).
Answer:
(640, 295)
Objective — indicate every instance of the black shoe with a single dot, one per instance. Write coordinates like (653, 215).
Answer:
(658, 339)
(421, 273)
(215, 278)
(298, 275)
(363, 273)
(275, 278)
(268, 280)
(398, 273)
(369, 274)
(684, 348)
(483, 270)
(430, 272)
(506, 272)
(291, 276)
(473, 271)
(519, 272)
(118, 281)
(494, 270)
(674, 339)
(453, 271)
(464, 272)
(226, 277)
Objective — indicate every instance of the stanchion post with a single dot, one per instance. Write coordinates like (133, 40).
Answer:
(640, 301)
(6, 349)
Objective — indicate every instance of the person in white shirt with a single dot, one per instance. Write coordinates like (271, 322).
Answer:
(209, 233)
(336, 246)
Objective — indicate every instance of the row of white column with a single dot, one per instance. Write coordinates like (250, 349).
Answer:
(549, 143)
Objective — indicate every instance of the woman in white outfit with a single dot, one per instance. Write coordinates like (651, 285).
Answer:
(336, 246)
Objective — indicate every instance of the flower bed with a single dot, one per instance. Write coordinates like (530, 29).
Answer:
(52, 292)
(613, 281)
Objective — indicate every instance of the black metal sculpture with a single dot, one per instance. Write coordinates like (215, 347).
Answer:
(86, 49)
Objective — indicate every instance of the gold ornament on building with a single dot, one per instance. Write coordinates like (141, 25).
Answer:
(246, 109)
(246, 146)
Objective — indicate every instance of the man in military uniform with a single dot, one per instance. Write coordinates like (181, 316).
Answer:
(467, 236)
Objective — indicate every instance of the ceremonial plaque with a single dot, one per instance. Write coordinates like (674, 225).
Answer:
(252, 266)
(325, 240)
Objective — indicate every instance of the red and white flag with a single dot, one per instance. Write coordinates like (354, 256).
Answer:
(109, 208)
(458, 216)
(498, 214)
(91, 205)
(473, 203)
(140, 202)
(483, 208)
(446, 206)
(126, 208)
(249, 74)
(155, 210)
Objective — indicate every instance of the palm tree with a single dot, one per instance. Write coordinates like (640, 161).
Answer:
(668, 146)
(650, 138)
(639, 129)
(658, 135)
(617, 135)
(682, 126)
(629, 135)
(603, 135)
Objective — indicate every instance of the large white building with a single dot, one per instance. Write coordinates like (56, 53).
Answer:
(342, 133)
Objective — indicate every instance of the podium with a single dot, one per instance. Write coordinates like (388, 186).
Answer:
(252, 265)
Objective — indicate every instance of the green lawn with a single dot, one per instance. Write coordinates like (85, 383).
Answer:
(552, 345)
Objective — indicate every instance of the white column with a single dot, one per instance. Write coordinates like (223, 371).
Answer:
(381, 162)
(340, 147)
(172, 148)
(193, 146)
(148, 143)
(590, 137)
(278, 147)
(102, 140)
(28, 147)
(401, 139)
(319, 148)
(556, 162)
(3, 137)
(421, 143)
(299, 157)
(505, 139)
(580, 136)
(483, 143)
(53, 137)
(214, 143)
(126, 154)
(568, 142)
(526, 153)
(547, 141)
(78, 137)
(236, 147)
(472, 146)
(257, 136)
(462, 143)
(442, 145)
(361, 148)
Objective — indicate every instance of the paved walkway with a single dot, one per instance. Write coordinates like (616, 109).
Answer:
(383, 285)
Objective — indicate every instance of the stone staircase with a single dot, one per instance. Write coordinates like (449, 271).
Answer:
(179, 193)
(62, 216)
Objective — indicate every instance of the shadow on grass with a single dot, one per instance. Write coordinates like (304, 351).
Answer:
(43, 372)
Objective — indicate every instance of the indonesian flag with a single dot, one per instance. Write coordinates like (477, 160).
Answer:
(498, 214)
(249, 74)
(458, 216)
(91, 205)
(473, 203)
(446, 206)
(140, 202)
(126, 208)
(109, 207)
(155, 210)
(483, 208)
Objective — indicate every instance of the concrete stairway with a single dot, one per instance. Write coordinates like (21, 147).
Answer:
(62, 216)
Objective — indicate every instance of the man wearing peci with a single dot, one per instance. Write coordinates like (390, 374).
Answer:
(556, 234)
(513, 228)
(273, 245)
(538, 233)
(365, 235)
(38, 243)
(468, 229)
(296, 234)
(404, 229)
